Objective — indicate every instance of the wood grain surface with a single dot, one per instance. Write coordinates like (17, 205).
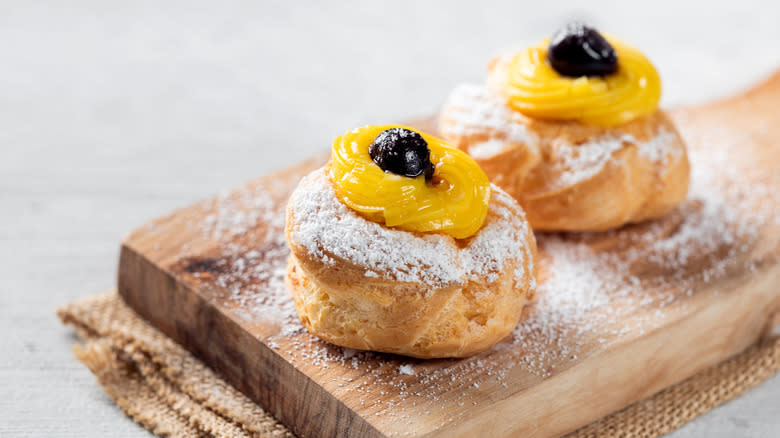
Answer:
(173, 273)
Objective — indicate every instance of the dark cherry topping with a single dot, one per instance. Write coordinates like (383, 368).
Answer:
(578, 50)
(402, 152)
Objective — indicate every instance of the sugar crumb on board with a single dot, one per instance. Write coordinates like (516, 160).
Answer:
(406, 369)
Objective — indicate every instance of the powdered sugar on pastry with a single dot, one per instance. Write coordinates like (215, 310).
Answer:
(475, 111)
(330, 231)
(578, 162)
(585, 292)
(489, 126)
(486, 149)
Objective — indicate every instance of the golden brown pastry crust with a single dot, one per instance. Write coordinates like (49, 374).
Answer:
(566, 175)
(349, 292)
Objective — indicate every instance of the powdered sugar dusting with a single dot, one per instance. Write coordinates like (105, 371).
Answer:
(237, 212)
(579, 162)
(660, 149)
(595, 289)
(473, 111)
(588, 289)
(250, 266)
(334, 233)
(487, 148)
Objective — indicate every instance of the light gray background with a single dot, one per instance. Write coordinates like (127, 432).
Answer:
(111, 115)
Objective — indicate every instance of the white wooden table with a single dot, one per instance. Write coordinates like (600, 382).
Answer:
(114, 114)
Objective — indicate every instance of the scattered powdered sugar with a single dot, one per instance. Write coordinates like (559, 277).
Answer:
(234, 213)
(579, 162)
(473, 110)
(659, 149)
(251, 274)
(470, 110)
(486, 149)
(334, 233)
(594, 288)
(257, 287)
(582, 161)
(587, 288)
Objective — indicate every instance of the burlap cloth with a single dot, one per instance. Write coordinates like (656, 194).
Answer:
(168, 391)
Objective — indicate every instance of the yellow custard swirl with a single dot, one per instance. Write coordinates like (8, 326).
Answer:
(535, 89)
(454, 201)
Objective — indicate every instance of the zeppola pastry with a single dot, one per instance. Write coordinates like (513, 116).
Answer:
(400, 244)
(571, 128)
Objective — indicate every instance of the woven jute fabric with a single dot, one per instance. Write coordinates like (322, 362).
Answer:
(165, 389)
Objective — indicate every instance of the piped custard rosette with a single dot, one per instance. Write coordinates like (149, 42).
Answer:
(571, 128)
(400, 244)
(444, 191)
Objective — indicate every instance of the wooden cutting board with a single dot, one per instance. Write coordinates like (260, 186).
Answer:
(618, 316)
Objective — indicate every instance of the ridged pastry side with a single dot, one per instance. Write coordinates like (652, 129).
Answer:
(359, 284)
(566, 175)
